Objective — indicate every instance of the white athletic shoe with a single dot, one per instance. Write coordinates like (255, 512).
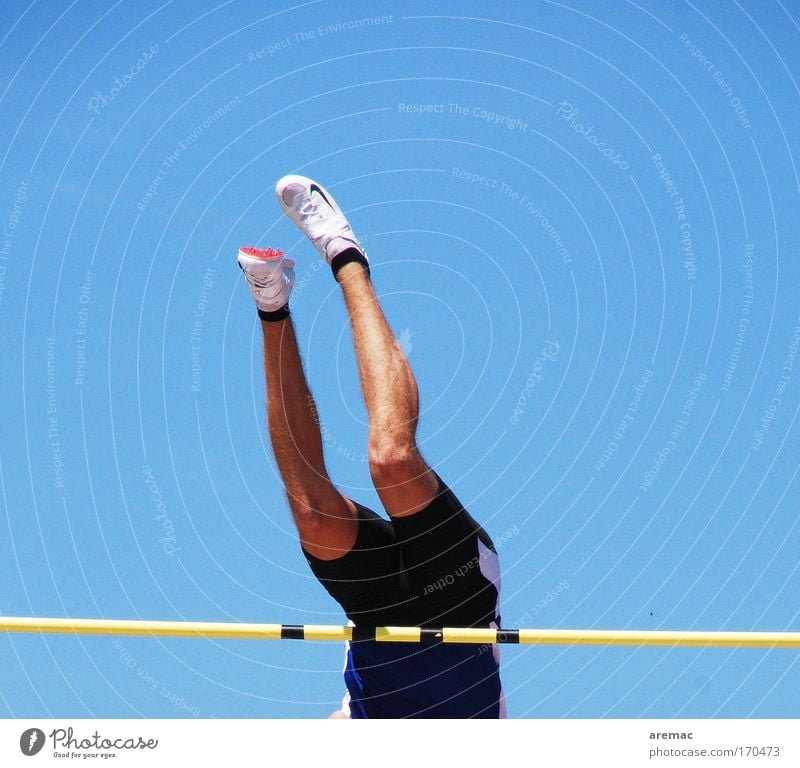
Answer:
(269, 276)
(317, 216)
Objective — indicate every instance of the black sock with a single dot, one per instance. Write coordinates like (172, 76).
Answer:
(348, 256)
(275, 315)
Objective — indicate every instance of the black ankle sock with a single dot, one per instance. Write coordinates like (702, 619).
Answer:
(275, 315)
(348, 257)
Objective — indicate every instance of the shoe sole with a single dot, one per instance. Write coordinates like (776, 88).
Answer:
(260, 254)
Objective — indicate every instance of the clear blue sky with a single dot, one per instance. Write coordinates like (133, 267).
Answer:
(582, 219)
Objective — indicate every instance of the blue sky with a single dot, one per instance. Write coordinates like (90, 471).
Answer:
(582, 222)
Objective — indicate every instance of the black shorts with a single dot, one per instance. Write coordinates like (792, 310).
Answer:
(435, 568)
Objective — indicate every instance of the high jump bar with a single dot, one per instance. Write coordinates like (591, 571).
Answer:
(234, 631)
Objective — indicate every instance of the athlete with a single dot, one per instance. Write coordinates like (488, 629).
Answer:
(430, 564)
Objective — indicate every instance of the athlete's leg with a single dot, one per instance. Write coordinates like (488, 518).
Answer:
(350, 549)
(405, 483)
(325, 519)
(449, 559)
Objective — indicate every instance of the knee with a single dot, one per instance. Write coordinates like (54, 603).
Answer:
(311, 514)
(391, 461)
(305, 517)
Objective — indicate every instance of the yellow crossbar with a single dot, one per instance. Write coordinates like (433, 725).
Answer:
(232, 631)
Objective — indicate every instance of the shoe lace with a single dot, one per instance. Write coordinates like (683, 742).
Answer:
(308, 209)
(262, 283)
(312, 215)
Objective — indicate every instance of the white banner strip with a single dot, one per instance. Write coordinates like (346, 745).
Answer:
(330, 743)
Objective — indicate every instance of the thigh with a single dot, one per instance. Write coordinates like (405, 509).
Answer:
(369, 581)
(450, 563)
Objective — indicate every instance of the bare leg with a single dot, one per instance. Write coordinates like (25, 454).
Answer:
(405, 483)
(326, 520)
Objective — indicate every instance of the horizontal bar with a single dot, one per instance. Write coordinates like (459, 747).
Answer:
(232, 631)
(145, 628)
(679, 638)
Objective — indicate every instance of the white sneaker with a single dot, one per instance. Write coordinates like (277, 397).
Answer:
(317, 216)
(269, 276)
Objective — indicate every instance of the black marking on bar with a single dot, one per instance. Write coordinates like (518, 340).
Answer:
(508, 636)
(427, 635)
(293, 632)
(364, 633)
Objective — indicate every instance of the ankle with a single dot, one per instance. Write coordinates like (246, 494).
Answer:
(274, 316)
(349, 262)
